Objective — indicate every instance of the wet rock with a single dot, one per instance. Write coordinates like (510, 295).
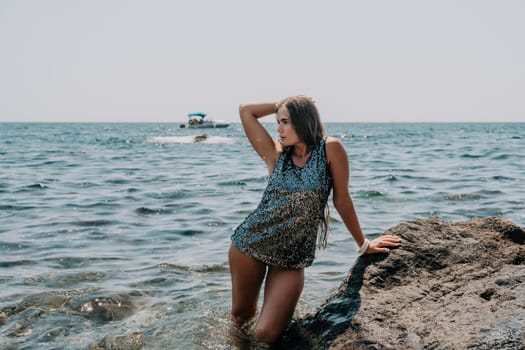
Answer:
(49, 300)
(449, 286)
(110, 308)
(3, 318)
(133, 341)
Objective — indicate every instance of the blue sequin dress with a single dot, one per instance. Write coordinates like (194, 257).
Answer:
(283, 229)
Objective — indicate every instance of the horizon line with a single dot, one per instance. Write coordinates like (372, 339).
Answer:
(238, 122)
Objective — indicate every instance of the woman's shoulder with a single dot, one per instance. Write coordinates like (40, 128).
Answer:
(330, 139)
(333, 142)
(334, 148)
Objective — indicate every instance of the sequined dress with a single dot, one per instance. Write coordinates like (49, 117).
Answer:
(283, 229)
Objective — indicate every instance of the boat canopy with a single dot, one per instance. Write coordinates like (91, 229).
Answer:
(198, 114)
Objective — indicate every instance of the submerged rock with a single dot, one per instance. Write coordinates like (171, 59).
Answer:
(132, 341)
(449, 286)
(107, 308)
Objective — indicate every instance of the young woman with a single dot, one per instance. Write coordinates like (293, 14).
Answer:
(278, 239)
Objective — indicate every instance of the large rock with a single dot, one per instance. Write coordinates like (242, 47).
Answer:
(449, 286)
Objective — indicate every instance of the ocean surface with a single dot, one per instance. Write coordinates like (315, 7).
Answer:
(116, 235)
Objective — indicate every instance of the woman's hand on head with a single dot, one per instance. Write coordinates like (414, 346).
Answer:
(383, 244)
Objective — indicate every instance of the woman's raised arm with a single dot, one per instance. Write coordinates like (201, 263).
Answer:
(265, 146)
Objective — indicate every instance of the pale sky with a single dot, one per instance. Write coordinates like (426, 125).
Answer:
(362, 61)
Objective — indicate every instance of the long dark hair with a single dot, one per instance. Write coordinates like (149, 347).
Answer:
(306, 122)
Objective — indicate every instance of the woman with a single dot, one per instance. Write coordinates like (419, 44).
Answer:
(278, 239)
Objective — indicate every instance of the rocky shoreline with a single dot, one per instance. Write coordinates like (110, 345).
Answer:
(449, 286)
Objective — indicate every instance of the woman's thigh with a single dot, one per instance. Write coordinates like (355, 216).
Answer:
(281, 294)
(247, 275)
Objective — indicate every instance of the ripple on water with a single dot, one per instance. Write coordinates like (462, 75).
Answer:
(94, 205)
(14, 246)
(188, 232)
(71, 262)
(9, 207)
(13, 263)
(32, 188)
(370, 193)
(74, 279)
(215, 268)
(152, 211)
(177, 194)
(463, 197)
(96, 222)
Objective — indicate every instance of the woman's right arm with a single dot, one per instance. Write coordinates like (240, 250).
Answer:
(265, 146)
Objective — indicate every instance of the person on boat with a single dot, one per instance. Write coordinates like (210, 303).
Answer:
(277, 241)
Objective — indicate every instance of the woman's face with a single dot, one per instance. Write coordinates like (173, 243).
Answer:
(287, 135)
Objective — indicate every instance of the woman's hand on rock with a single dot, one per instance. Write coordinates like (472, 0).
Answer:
(383, 244)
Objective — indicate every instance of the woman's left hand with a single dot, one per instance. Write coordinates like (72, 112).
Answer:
(383, 244)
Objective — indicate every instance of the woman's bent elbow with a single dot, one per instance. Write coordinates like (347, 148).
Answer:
(244, 111)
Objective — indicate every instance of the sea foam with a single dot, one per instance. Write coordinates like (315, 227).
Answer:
(201, 138)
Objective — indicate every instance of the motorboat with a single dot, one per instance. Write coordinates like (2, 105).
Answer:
(199, 121)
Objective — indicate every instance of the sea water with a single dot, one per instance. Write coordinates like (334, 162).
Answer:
(116, 235)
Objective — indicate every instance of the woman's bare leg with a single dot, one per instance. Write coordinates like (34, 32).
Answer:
(281, 294)
(247, 275)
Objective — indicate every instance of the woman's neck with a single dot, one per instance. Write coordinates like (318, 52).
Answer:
(301, 150)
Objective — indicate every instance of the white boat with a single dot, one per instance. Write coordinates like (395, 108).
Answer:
(199, 121)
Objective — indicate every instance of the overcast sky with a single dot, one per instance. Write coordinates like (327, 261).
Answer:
(365, 61)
